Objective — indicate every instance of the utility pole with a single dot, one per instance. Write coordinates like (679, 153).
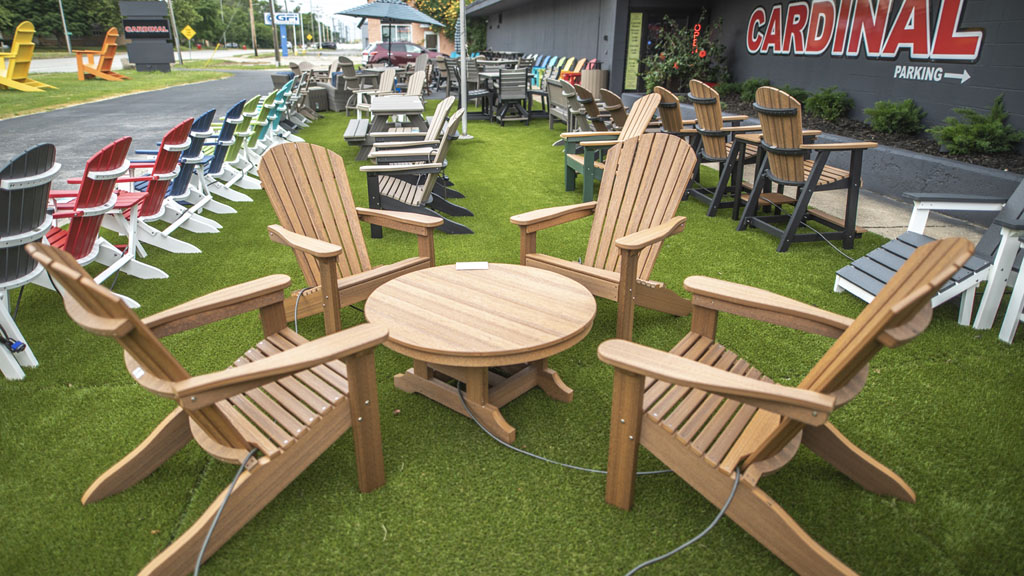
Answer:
(67, 37)
(174, 29)
(252, 25)
(273, 29)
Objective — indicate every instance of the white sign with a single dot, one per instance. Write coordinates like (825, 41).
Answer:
(282, 18)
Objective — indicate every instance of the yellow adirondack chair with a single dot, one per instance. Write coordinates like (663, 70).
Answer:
(709, 415)
(96, 63)
(14, 64)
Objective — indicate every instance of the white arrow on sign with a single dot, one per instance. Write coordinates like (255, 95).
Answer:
(962, 77)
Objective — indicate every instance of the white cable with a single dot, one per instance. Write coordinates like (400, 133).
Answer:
(202, 551)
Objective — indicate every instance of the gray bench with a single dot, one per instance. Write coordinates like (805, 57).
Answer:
(356, 131)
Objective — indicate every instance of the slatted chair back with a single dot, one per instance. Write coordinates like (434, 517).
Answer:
(472, 72)
(308, 188)
(643, 183)
(593, 113)
(226, 138)
(640, 116)
(437, 122)
(387, 81)
(101, 312)
(900, 311)
(512, 84)
(708, 108)
(193, 155)
(425, 187)
(579, 65)
(261, 123)
(95, 198)
(165, 168)
(613, 106)
(20, 57)
(669, 111)
(24, 192)
(108, 50)
(780, 116)
(421, 63)
(567, 65)
(591, 64)
(416, 81)
(245, 128)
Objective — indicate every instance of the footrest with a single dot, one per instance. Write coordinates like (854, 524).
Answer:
(833, 221)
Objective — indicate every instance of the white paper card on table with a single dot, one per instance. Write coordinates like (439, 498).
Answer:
(471, 265)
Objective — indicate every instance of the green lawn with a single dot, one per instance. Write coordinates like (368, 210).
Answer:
(228, 64)
(943, 411)
(70, 90)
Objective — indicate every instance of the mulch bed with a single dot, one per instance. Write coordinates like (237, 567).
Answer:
(858, 130)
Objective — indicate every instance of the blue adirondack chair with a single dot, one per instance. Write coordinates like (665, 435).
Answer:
(214, 165)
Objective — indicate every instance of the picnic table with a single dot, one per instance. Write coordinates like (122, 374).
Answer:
(381, 109)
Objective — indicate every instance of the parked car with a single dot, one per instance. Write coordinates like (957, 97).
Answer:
(402, 53)
(329, 45)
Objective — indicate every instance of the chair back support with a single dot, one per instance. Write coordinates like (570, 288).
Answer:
(472, 72)
(437, 122)
(669, 111)
(440, 155)
(900, 312)
(24, 192)
(245, 128)
(416, 80)
(108, 50)
(101, 312)
(643, 183)
(421, 63)
(193, 154)
(780, 116)
(387, 80)
(512, 84)
(593, 113)
(21, 52)
(261, 123)
(308, 188)
(708, 108)
(226, 138)
(579, 65)
(165, 167)
(640, 116)
(990, 240)
(613, 105)
(95, 192)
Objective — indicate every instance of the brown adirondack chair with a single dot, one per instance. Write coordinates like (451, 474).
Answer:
(592, 143)
(96, 63)
(614, 107)
(14, 65)
(309, 191)
(594, 119)
(715, 145)
(709, 415)
(633, 215)
(784, 150)
(256, 406)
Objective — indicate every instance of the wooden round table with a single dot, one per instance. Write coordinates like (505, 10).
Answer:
(456, 324)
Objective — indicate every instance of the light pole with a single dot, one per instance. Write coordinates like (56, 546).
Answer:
(463, 38)
(174, 29)
(67, 37)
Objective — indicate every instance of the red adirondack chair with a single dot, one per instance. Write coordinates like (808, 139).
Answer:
(159, 174)
(86, 208)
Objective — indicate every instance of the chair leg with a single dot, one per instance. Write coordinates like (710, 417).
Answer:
(171, 435)
(11, 362)
(750, 210)
(829, 443)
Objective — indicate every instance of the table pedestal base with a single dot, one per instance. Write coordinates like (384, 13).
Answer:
(486, 392)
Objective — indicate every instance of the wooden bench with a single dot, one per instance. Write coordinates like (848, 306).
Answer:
(356, 131)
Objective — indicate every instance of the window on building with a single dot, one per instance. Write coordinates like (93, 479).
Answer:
(396, 33)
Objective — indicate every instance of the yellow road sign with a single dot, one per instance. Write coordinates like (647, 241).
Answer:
(309, 36)
(188, 32)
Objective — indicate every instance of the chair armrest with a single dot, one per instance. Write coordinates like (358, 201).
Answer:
(749, 138)
(598, 143)
(749, 128)
(400, 152)
(735, 118)
(88, 52)
(758, 304)
(398, 136)
(644, 238)
(588, 135)
(218, 305)
(401, 168)
(419, 224)
(925, 202)
(312, 246)
(840, 146)
(803, 405)
(547, 217)
(204, 390)
(396, 144)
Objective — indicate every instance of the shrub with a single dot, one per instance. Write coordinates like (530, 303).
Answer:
(680, 56)
(728, 88)
(981, 134)
(829, 104)
(800, 94)
(896, 117)
(748, 90)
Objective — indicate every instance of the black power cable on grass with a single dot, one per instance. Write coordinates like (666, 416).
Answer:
(216, 517)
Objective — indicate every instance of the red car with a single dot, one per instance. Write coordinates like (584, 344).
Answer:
(402, 53)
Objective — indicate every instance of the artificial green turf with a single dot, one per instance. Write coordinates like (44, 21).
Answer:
(943, 412)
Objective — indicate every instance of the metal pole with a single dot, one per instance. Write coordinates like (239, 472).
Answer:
(464, 38)
(224, 32)
(174, 29)
(67, 37)
(252, 25)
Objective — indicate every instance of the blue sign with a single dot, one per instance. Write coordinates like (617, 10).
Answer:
(282, 18)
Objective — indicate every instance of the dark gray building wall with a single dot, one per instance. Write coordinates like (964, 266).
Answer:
(577, 28)
(999, 68)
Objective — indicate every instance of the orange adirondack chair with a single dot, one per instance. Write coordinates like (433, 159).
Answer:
(96, 63)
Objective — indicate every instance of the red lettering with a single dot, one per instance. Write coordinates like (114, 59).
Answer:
(950, 43)
(754, 34)
(868, 25)
(842, 23)
(773, 32)
(822, 25)
(910, 30)
(796, 23)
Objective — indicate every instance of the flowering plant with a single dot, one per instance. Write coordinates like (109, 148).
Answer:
(685, 52)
